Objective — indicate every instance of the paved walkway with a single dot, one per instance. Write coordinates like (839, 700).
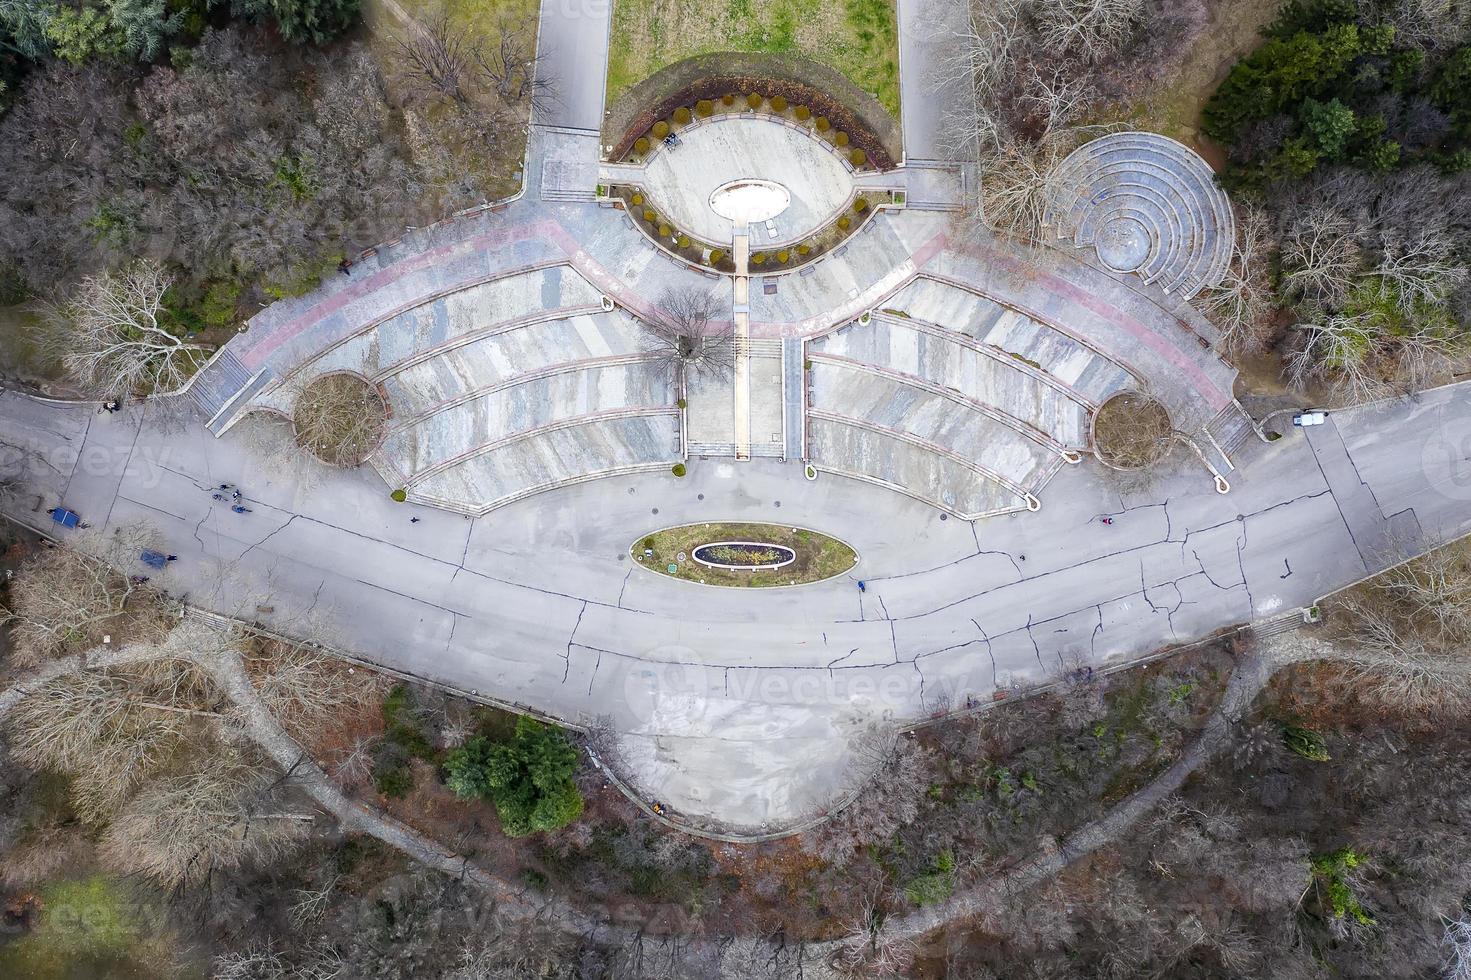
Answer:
(738, 707)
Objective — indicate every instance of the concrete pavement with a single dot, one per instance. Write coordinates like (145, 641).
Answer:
(737, 709)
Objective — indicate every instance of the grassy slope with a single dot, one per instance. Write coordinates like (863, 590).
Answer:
(859, 38)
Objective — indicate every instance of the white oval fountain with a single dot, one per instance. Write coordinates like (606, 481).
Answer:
(749, 200)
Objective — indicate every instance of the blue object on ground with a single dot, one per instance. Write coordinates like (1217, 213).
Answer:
(64, 517)
(153, 559)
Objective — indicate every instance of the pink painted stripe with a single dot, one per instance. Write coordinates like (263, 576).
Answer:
(488, 241)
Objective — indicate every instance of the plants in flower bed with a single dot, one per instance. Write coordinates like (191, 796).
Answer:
(816, 556)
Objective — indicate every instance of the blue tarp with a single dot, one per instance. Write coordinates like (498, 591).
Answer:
(66, 518)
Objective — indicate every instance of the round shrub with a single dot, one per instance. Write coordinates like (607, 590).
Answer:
(860, 205)
(728, 99)
(716, 254)
(649, 215)
(678, 469)
(660, 130)
(399, 495)
(778, 104)
(665, 231)
(823, 125)
(754, 100)
(704, 107)
(844, 223)
(802, 113)
(641, 145)
(636, 200)
(682, 116)
(804, 249)
(840, 139)
(682, 241)
(858, 157)
(783, 257)
(758, 258)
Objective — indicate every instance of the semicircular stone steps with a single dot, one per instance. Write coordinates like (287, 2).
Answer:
(1147, 205)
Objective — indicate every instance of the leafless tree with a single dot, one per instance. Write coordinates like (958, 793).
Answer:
(1092, 28)
(1242, 304)
(437, 55)
(339, 418)
(109, 337)
(682, 339)
(222, 812)
(1321, 260)
(511, 64)
(1457, 942)
(1016, 179)
(65, 597)
(1420, 272)
(303, 687)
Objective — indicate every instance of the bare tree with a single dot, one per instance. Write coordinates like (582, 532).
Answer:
(1457, 942)
(303, 686)
(1420, 272)
(65, 598)
(511, 63)
(437, 55)
(1016, 179)
(110, 339)
(1321, 260)
(339, 418)
(682, 338)
(1243, 302)
(1093, 29)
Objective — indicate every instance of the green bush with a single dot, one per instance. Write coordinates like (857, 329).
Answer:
(783, 257)
(641, 145)
(704, 107)
(682, 116)
(754, 100)
(778, 104)
(650, 216)
(727, 100)
(660, 130)
(822, 124)
(529, 779)
(804, 249)
(716, 254)
(758, 258)
(636, 200)
(649, 543)
(1306, 743)
(665, 231)
(681, 403)
(399, 495)
(844, 223)
(840, 139)
(858, 158)
(678, 469)
(860, 205)
(682, 241)
(802, 113)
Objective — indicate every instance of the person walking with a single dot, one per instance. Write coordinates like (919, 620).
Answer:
(240, 509)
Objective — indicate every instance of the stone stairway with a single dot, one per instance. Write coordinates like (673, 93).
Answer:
(223, 386)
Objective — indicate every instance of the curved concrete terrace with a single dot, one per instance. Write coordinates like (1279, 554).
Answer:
(724, 149)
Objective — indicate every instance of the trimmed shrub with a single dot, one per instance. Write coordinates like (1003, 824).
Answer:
(665, 231)
(660, 130)
(840, 138)
(531, 779)
(704, 107)
(754, 100)
(804, 249)
(803, 113)
(641, 145)
(678, 469)
(636, 200)
(650, 216)
(844, 223)
(682, 241)
(858, 158)
(399, 495)
(716, 254)
(823, 125)
(778, 104)
(728, 99)
(860, 205)
(783, 256)
(679, 403)
(758, 259)
(682, 116)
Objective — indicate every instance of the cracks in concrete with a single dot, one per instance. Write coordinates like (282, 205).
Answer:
(567, 656)
(624, 587)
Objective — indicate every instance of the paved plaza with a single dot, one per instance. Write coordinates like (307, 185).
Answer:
(939, 381)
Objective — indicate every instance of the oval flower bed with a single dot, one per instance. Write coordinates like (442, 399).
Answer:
(743, 554)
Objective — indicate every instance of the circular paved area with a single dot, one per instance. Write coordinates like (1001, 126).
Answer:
(680, 181)
(1147, 205)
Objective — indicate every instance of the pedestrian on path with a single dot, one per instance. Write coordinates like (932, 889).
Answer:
(171, 558)
(240, 509)
(413, 520)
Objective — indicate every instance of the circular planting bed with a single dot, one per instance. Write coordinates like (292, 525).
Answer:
(743, 555)
(1132, 431)
(340, 418)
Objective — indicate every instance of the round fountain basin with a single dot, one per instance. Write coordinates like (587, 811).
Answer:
(749, 200)
(743, 555)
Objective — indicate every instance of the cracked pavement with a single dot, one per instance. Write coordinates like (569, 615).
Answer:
(737, 708)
